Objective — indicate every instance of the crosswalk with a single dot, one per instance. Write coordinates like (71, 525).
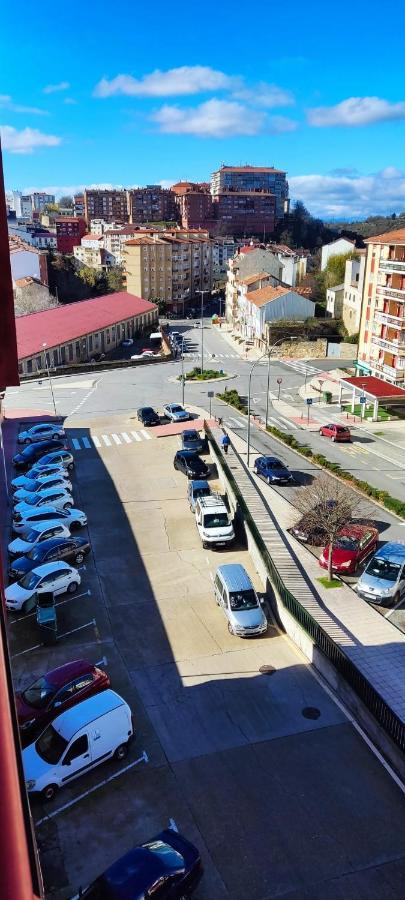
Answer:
(302, 367)
(113, 439)
(233, 423)
(193, 354)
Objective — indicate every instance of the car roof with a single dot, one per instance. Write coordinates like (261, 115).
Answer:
(393, 551)
(43, 526)
(356, 530)
(71, 721)
(190, 431)
(235, 577)
(51, 543)
(69, 670)
(274, 459)
(135, 872)
(189, 454)
(49, 567)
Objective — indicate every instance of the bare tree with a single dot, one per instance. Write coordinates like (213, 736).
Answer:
(329, 505)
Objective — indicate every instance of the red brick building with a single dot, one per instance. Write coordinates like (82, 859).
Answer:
(69, 232)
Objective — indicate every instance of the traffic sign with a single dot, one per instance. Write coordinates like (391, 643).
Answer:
(279, 380)
(309, 401)
(210, 393)
(363, 399)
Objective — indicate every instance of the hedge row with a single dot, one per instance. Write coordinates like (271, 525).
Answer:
(383, 497)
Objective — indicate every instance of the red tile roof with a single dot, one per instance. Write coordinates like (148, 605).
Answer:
(373, 386)
(247, 249)
(267, 294)
(71, 321)
(92, 237)
(389, 237)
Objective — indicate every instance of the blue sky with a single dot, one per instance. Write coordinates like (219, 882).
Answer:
(147, 93)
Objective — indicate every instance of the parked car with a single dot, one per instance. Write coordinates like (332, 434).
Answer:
(148, 416)
(192, 440)
(272, 470)
(56, 497)
(213, 522)
(176, 413)
(57, 577)
(25, 458)
(40, 432)
(127, 342)
(71, 549)
(34, 486)
(25, 520)
(383, 579)
(197, 324)
(167, 867)
(57, 457)
(53, 693)
(43, 531)
(308, 530)
(351, 548)
(235, 594)
(191, 464)
(77, 741)
(335, 432)
(196, 489)
(36, 474)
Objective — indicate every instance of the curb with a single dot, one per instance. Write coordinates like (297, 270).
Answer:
(177, 379)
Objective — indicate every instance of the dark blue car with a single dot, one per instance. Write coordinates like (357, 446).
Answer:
(272, 470)
(167, 867)
(27, 457)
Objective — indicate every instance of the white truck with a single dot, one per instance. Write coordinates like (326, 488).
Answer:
(212, 519)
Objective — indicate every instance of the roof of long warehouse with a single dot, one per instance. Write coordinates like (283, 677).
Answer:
(70, 321)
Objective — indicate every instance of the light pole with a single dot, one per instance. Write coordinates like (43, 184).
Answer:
(202, 326)
(50, 379)
(182, 369)
(280, 341)
(249, 386)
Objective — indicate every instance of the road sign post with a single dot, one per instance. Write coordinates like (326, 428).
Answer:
(362, 407)
(279, 382)
(309, 403)
(210, 394)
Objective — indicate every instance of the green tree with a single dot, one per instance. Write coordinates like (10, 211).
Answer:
(66, 202)
(114, 279)
(335, 268)
(89, 276)
(50, 208)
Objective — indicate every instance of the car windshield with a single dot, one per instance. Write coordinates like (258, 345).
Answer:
(31, 501)
(30, 581)
(215, 520)
(170, 857)
(383, 568)
(39, 694)
(31, 537)
(35, 553)
(175, 408)
(148, 411)
(191, 436)
(50, 745)
(273, 464)
(346, 543)
(201, 492)
(243, 600)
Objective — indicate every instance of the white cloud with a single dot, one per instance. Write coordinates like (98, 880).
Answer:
(26, 140)
(334, 196)
(70, 101)
(215, 118)
(6, 102)
(281, 124)
(182, 81)
(263, 94)
(356, 111)
(54, 88)
(167, 182)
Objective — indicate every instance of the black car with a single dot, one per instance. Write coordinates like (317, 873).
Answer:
(148, 416)
(189, 462)
(308, 530)
(167, 867)
(192, 440)
(71, 549)
(30, 454)
(272, 470)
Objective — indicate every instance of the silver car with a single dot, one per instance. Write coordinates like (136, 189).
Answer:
(235, 594)
(383, 579)
(41, 432)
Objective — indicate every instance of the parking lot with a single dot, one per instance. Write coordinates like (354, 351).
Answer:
(261, 770)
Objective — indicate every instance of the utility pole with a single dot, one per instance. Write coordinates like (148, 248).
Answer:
(202, 326)
(50, 379)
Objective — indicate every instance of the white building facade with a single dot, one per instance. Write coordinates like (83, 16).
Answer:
(336, 248)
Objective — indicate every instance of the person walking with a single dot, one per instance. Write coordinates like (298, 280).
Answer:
(225, 442)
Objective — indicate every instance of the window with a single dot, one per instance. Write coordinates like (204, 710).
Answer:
(70, 352)
(78, 748)
(29, 365)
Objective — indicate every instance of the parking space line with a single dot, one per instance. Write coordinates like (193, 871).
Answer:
(96, 440)
(146, 435)
(116, 439)
(400, 602)
(59, 637)
(76, 444)
(126, 437)
(106, 440)
(144, 758)
(61, 603)
(86, 443)
(136, 436)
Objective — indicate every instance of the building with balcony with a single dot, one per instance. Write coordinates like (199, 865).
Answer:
(253, 180)
(353, 292)
(92, 253)
(78, 205)
(247, 262)
(171, 265)
(110, 205)
(69, 232)
(152, 204)
(382, 327)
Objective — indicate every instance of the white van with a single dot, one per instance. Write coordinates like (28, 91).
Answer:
(76, 741)
(213, 522)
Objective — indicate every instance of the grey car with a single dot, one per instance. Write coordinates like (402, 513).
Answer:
(235, 594)
(197, 488)
(383, 579)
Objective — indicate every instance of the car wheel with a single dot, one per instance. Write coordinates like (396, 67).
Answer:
(56, 437)
(269, 480)
(396, 599)
(230, 628)
(72, 587)
(333, 440)
(27, 441)
(121, 751)
(68, 506)
(70, 467)
(79, 558)
(321, 432)
(49, 792)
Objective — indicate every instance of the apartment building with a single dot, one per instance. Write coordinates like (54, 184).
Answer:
(382, 326)
(148, 267)
(353, 292)
(170, 265)
(40, 199)
(91, 252)
(152, 204)
(223, 249)
(78, 205)
(69, 232)
(110, 205)
(249, 261)
(195, 205)
(116, 238)
(253, 180)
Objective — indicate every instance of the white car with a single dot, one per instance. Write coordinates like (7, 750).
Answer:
(197, 324)
(37, 486)
(57, 577)
(176, 412)
(28, 518)
(41, 432)
(37, 473)
(41, 532)
(57, 497)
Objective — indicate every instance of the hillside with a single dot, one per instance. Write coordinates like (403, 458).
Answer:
(373, 225)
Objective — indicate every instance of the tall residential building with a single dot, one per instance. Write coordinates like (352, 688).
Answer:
(353, 291)
(110, 205)
(195, 205)
(171, 265)
(13, 200)
(151, 204)
(41, 199)
(382, 326)
(69, 232)
(78, 205)
(253, 180)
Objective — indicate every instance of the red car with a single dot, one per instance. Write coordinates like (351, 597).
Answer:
(352, 546)
(335, 432)
(53, 693)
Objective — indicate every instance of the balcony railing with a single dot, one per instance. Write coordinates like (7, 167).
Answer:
(396, 374)
(392, 265)
(396, 294)
(396, 345)
(385, 318)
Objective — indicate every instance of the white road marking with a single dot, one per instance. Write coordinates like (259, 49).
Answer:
(144, 758)
(106, 440)
(146, 435)
(136, 436)
(86, 443)
(96, 440)
(290, 424)
(60, 603)
(116, 439)
(76, 443)
(400, 602)
(126, 437)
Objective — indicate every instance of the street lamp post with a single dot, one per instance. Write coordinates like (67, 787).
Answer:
(249, 386)
(182, 369)
(280, 341)
(202, 326)
(50, 379)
